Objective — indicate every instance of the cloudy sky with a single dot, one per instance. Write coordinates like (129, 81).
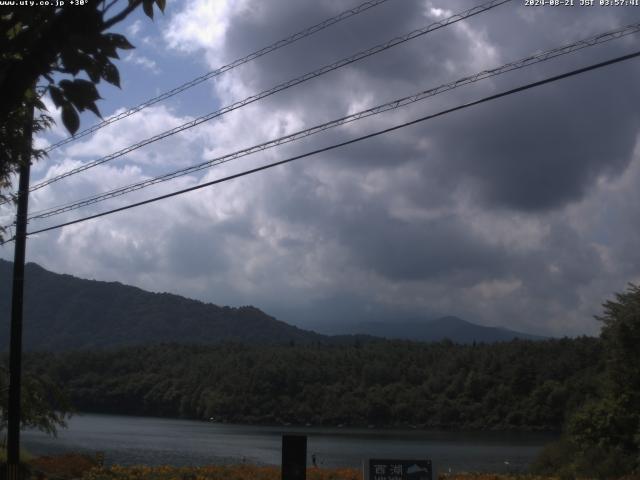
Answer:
(521, 212)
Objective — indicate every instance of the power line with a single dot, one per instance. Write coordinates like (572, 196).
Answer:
(225, 68)
(283, 86)
(348, 142)
(392, 105)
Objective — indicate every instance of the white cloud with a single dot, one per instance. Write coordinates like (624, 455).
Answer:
(389, 223)
(134, 28)
(202, 25)
(142, 61)
(180, 149)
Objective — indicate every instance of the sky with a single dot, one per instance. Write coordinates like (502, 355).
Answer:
(522, 212)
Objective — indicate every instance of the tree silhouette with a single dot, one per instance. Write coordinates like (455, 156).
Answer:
(56, 46)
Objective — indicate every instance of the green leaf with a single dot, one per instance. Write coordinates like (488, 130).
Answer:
(110, 74)
(30, 95)
(109, 50)
(118, 41)
(82, 93)
(39, 104)
(56, 95)
(94, 108)
(161, 4)
(70, 118)
(14, 31)
(72, 60)
(93, 71)
(147, 6)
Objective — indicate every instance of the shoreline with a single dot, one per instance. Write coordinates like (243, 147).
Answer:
(359, 427)
(155, 441)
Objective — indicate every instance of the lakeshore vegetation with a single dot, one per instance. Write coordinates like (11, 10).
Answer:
(589, 388)
(516, 385)
(82, 467)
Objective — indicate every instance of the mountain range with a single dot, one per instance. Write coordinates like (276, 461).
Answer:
(437, 329)
(63, 312)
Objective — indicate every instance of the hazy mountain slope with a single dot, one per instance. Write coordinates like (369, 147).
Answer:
(453, 328)
(64, 312)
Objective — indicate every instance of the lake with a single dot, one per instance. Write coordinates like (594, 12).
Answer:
(157, 441)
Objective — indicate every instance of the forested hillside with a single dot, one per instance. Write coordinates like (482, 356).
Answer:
(520, 384)
(63, 312)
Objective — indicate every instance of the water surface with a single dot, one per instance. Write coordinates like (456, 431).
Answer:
(159, 441)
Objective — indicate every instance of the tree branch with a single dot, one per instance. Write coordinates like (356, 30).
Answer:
(122, 15)
(107, 7)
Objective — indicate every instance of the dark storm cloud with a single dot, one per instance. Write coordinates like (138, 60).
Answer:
(273, 21)
(431, 250)
(536, 151)
(433, 205)
(559, 270)
(398, 249)
(501, 213)
(417, 64)
(545, 148)
(197, 252)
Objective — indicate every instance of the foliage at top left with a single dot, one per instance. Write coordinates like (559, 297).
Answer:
(63, 51)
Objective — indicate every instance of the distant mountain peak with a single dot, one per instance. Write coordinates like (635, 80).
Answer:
(437, 329)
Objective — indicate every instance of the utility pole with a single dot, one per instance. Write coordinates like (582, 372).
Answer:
(13, 470)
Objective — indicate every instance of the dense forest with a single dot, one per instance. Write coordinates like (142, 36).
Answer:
(515, 385)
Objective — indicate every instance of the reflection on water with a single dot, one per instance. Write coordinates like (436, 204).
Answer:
(157, 441)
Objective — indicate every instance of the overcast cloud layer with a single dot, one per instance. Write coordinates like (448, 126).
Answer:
(522, 212)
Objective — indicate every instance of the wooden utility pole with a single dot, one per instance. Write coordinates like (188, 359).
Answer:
(13, 471)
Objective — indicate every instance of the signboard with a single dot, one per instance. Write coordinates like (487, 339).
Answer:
(384, 469)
